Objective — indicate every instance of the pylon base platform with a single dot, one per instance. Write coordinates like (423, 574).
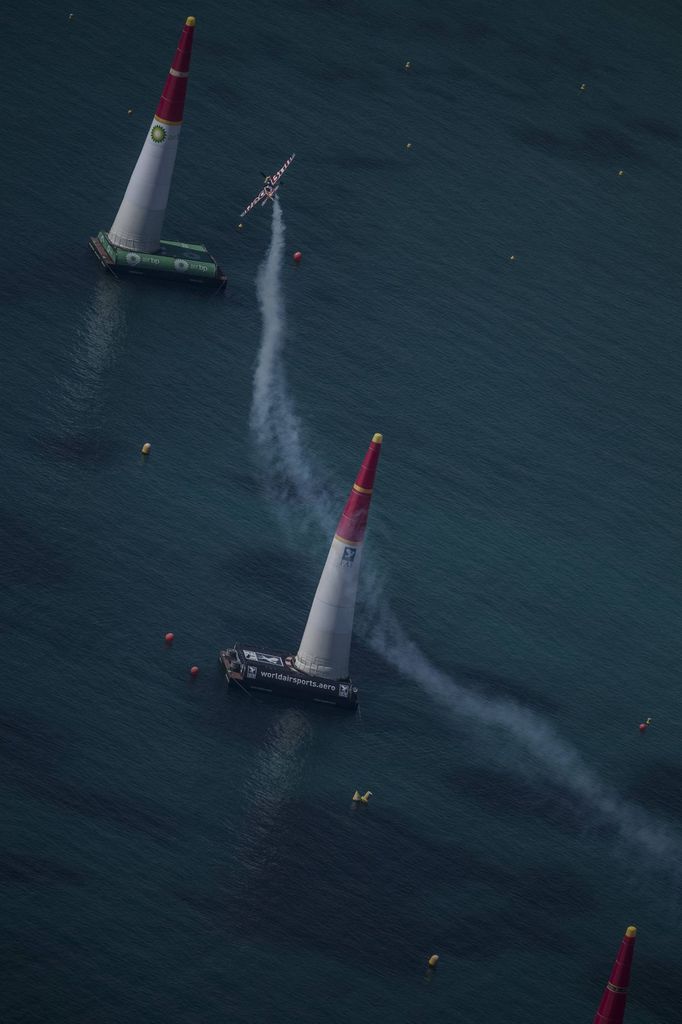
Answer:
(179, 261)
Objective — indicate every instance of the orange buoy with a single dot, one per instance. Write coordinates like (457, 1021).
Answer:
(194, 671)
(298, 256)
(169, 638)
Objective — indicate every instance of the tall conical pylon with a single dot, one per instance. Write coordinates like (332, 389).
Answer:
(325, 647)
(140, 217)
(612, 1006)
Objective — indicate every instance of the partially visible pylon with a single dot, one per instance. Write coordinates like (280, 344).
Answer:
(612, 1006)
(325, 647)
(139, 221)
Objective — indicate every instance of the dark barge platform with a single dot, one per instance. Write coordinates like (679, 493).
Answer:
(179, 261)
(274, 672)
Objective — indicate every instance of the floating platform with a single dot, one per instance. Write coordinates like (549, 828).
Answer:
(274, 672)
(179, 261)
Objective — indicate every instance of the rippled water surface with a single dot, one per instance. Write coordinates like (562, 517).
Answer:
(174, 852)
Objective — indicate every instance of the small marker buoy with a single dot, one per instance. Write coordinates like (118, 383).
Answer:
(240, 226)
(433, 960)
(408, 65)
(357, 799)
(194, 671)
(169, 638)
(408, 145)
(512, 257)
(583, 86)
(130, 110)
(298, 256)
(71, 17)
(146, 448)
(643, 726)
(621, 173)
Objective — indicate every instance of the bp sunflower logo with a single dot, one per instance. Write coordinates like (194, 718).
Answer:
(158, 133)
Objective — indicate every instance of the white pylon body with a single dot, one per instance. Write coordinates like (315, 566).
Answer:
(325, 647)
(139, 221)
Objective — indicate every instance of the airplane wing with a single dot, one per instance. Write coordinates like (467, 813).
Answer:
(280, 172)
(254, 202)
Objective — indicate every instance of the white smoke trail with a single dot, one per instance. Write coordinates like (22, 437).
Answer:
(273, 420)
(552, 755)
(278, 432)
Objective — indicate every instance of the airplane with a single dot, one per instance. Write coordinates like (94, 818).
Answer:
(270, 186)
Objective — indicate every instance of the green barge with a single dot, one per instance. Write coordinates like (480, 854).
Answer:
(174, 261)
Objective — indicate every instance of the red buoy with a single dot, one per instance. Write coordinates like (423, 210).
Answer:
(169, 638)
(298, 256)
(643, 727)
(194, 671)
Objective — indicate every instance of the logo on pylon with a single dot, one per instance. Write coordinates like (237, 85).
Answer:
(348, 556)
(158, 133)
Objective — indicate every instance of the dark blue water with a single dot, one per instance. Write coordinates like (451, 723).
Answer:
(173, 852)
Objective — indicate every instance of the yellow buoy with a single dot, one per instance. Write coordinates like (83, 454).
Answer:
(512, 257)
(240, 226)
(408, 65)
(146, 448)
(357, 799)
(621, 173)
(408, 146)
(433, 960)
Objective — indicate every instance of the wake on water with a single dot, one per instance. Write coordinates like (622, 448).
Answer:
(278, 432)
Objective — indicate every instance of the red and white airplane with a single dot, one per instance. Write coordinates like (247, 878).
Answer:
(270, 186)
